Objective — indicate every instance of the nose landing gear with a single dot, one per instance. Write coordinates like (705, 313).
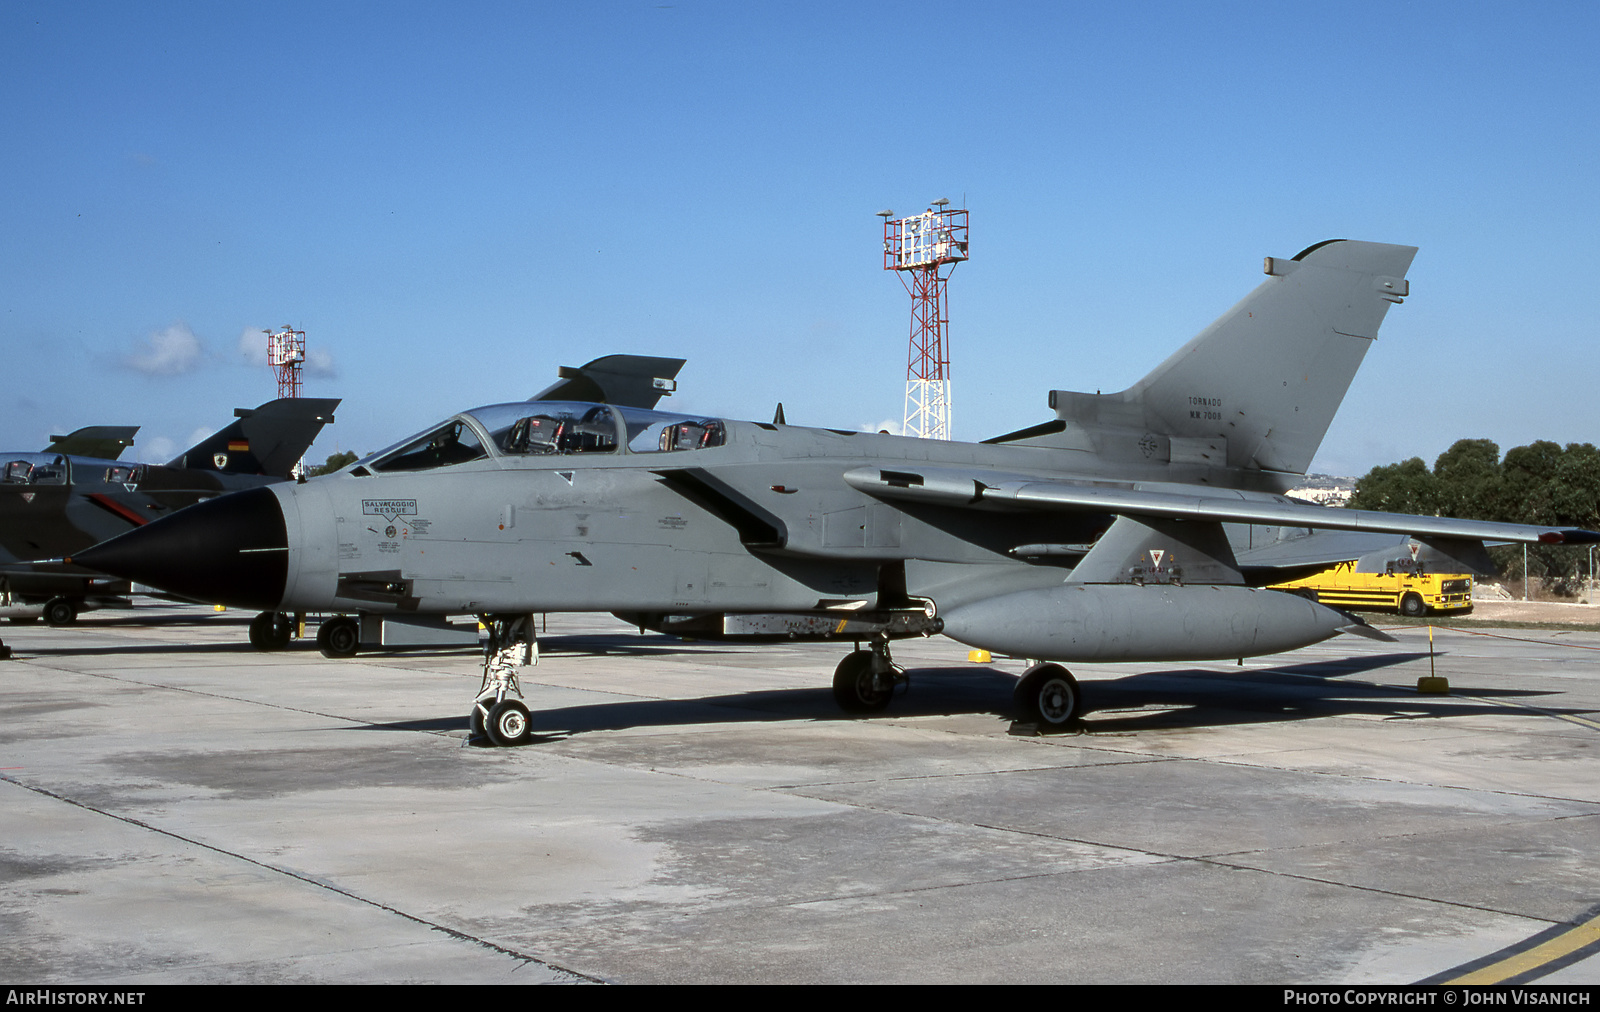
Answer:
(512, 643)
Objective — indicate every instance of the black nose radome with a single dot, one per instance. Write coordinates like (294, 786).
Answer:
(230, 550)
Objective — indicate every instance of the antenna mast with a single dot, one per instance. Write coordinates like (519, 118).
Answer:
(924, 249)
(286, 353)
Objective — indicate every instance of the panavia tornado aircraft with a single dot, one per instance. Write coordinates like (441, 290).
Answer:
(75, 494)
(1101, 535)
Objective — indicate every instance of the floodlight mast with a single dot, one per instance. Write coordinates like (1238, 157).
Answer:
(286, 353)
(925, 248)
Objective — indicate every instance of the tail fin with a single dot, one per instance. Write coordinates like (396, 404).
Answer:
(266, 440)
(637, 381)
(1258, 388)
(102, 442)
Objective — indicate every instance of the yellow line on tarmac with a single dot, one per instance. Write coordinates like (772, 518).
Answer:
(1593, 725)
(1566, 943)
(1563, 944)
(1585, 721)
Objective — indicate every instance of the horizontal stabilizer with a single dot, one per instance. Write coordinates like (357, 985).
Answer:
(1368, 632)
(1291, 548)
(1454, 555)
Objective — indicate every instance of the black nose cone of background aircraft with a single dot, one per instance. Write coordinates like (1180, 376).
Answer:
(233, 549)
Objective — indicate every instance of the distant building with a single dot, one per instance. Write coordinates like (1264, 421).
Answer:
(1325, 489)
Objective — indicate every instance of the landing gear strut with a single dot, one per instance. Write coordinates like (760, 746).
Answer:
(865, 680)
(512, 643)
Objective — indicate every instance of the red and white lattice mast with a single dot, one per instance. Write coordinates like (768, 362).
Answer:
(286, 353)
(925, 249)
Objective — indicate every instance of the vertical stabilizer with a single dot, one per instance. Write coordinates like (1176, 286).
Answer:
(268, 440)
(637, 381)
(1258, 388)
(102, 442)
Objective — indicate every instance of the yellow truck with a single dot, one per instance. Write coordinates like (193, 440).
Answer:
(1402, 587)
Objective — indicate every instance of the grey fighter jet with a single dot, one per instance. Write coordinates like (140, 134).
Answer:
(1099, 535)
(63, 500)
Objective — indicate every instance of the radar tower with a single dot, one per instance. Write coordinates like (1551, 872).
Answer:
(286, 353)
(925, 248)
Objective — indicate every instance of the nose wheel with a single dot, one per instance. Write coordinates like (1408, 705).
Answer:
(503, 721)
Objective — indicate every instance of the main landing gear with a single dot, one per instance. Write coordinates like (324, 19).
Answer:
(1048, 697)
(60, 611)
(271, 630)
(512, 643)
(865, 680)
(339, 636)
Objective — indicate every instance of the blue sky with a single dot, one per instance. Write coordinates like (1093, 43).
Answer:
(453, 201)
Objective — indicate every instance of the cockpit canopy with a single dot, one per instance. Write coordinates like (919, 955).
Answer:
(547, 428)
(35, 469)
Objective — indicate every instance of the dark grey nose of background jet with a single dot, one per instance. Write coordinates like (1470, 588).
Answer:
(230, 550)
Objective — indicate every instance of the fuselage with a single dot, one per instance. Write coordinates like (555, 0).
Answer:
(597, 508)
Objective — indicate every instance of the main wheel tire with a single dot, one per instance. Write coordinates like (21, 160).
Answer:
(508, 723)
(60, 611)
(854, 687)
(261, 631)
(1048, 696)
(1412, 606)
(339, 637)
(271, 631)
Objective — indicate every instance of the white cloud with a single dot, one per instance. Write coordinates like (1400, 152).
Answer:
(171, 352)
(320, 363)
(893, 426)
(156, 450)
(253, 346)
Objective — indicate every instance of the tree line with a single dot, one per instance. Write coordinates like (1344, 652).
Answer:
(1541, 483)
(333, 463)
